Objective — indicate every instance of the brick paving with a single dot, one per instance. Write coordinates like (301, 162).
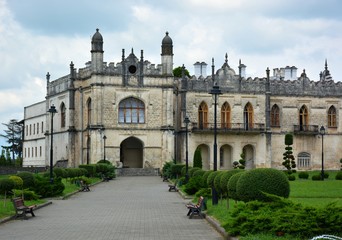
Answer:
(129, 208)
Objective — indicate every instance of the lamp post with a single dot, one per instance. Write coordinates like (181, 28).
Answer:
(215, 91)
(322, 132)
(52, 110)
(186, 121)
(104, 147)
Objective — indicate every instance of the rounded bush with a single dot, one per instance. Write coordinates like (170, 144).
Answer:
(316, 177)
(255, 184)
(192, 170)
(339, 176)
(291, 177)
(199, 172)
(225, 178)
(231, 186)
(194, 184)
(166, 171)
(105, 161)
(176, 170)
(18, 182)
(217, 181)
(28, 179)
(205, 178)
(303, 175)
(183, 170)
(211, 178)
(45, 188)
(60, 172)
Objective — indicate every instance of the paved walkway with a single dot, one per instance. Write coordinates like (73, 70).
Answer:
(127, 208)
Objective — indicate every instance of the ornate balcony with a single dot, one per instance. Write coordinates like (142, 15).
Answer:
(306, 129)
(255, 128)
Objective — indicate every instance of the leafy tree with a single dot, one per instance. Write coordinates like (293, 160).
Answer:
(177, 72)
(289, 160)
(198, 158)
(13, 134)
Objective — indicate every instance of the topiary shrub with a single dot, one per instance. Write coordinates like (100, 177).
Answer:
(91, 169)
(316, 177)
(176, 170)
(192, 170)
(26, 194)
(204, 192)
(28, 179)
(6, 185)
(18, 182)
(225, 178)
(60, 172)
(45, 188)
(291, 177)
(303, 175)
(217, 181)
(194, 184)
(105, 161)
(166, 170)
(199, 172)
(231, 186)
(197, 158)
(339, 176)
(256, 182)
(183, 170)
(205, 178)
(211, 178)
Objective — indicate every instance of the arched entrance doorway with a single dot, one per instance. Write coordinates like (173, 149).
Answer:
(131, 153)
(226, 157)
(248, 150)
(205, 156)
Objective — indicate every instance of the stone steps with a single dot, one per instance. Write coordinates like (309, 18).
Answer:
(137, 171)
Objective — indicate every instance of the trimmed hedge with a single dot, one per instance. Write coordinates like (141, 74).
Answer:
(225, 179)
(303, 175)
(176, 170)
(339, 175)
(192, 170)
(211, 178)
(91, 169)
(231, 186)
(217, 181)
(199, 172)
(28, 179)
(256, 182)
(205, 178)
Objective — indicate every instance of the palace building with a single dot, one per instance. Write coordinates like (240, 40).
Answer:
(132, 113)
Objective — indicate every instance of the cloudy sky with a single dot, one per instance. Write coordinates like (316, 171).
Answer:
(39, 36)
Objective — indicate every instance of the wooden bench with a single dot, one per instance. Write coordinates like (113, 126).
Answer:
(21, 209)
(165, 178)
(173, 187)
(84, 187)
(196, 209)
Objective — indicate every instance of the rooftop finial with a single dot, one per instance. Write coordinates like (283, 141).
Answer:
(226, 58)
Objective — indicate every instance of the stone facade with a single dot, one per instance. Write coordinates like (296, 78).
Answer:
(131, 113)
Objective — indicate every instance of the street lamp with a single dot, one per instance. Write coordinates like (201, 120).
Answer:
(215, 91)
(104, 147)
(52, 110)
(322, 132)
(186, 121)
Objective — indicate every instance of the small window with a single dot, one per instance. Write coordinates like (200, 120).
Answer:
(225, 116)
(304, 160)
(275, 120)
(62, 115)
(131, 110)
(332, 117)
(203, 116)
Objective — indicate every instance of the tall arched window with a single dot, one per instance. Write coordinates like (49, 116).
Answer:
(203, 116)
(225, 116)
(89, 111)
(248, 116)
(303, 118)
(62, 115)
(131, 110)
(275, 120)
(332, 117)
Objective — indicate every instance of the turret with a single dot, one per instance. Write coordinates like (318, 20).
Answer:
(97, 52)
(167, 55)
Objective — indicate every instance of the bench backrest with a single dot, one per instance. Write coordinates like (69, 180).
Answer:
(200, 202)
(18, 202)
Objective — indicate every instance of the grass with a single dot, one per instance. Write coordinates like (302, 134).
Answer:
(6, 206)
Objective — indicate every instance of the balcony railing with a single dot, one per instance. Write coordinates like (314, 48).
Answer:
(229, 127)
(306, 129)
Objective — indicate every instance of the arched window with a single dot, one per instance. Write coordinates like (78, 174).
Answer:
(203, 116)
(275, 121)
(131, 110)
(89, 111)
(225, 116)
(248, 116)
(62, 115)
(303, 160)
(303, 118)
(332, 117)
